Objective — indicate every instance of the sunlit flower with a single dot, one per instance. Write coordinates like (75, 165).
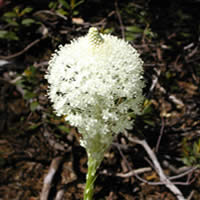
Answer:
(96, 82)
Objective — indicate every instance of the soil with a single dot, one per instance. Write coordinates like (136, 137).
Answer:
(32, 136)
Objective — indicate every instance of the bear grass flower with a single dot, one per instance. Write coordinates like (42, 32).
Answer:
(96, 82)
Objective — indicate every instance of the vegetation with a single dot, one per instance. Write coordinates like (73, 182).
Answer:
(31, 136)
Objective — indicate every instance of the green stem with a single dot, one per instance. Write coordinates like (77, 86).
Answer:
(91, 177)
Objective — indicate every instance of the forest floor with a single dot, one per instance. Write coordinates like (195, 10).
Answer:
(34, 140)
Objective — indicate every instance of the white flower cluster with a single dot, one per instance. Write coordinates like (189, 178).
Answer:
(96, 82)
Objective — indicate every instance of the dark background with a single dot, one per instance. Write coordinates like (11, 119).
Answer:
(167, 35)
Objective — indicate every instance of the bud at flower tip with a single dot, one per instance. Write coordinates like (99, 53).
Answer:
(94, 37)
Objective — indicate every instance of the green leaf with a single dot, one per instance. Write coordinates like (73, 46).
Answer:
(62, 12)
(75, 12)
(34, 126)
(107, 30)
(34, 105)
(29, 95)
(132, 115)
(149, 122)
(78, 3)
(28, 21)
(16, 10)
(147, 109)
(65, 4)
(134, 29)
(52, 5)
(148, 32)
(20, 83)
(8, 35)
(3, 34)
(186, 35)
(30, 72)
(64, 128)
(10, 21)
(130, 36)
(26, 10)
(72, 3)
(186, 161)
(10, 14)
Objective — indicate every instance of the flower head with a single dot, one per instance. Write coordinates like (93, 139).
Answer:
(96, 81)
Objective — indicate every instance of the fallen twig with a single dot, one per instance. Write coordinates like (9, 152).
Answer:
(23, 50)
(154, 78)
(120, 19)
(161, 134)
(191, 195)
(158, 168)
(59, 195)
(171, 97)
(183, 171)
(50, 13)
(134, 172)
(53, 143)
(49, 177)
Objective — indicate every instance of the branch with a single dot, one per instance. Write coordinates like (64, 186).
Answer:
(134, 172)
(23, 50)
(49, 178)
(50, 13)
(161, 134)
(120, 19)
(60, 194)
(158, 168)
(53, 143)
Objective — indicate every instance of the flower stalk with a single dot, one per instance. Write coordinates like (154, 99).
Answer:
(90, 178)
